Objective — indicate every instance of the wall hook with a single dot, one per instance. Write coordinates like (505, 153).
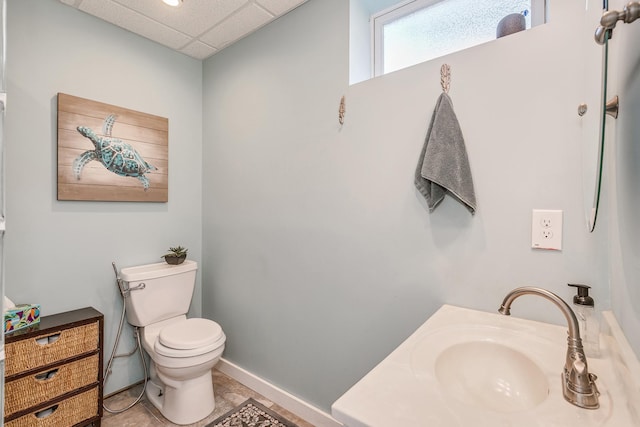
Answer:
(445, 77)
(342, 110)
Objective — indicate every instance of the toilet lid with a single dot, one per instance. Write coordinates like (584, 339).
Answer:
(163, 350)
(190, 334)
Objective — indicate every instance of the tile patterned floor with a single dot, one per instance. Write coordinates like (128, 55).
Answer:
(228, 393)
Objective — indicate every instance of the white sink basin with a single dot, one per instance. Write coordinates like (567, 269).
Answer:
(471, 368)
(486, 366)
(489, 375)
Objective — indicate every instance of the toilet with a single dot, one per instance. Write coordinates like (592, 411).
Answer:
(183, 350)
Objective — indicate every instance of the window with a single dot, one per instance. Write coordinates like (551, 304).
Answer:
(415, 31)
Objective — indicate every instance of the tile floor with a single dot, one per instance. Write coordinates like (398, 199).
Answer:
(228, 392)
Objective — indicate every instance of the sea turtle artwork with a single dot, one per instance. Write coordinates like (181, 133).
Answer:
(114, 154)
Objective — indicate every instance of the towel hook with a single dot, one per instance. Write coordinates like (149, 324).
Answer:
(445, 77)
(342, 110)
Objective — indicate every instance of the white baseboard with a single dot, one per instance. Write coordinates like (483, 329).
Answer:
(288, 401)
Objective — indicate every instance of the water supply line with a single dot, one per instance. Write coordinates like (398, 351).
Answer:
(124, 292)
(610, 18)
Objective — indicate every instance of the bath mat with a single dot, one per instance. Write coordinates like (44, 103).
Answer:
(251, 414)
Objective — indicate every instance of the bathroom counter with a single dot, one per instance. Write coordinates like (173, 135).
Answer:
(398, 392)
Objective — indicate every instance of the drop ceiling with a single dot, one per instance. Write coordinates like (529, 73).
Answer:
(197, 28)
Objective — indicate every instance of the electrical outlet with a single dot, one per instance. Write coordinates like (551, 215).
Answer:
(546, 229)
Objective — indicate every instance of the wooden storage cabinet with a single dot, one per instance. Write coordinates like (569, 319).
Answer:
(53, 371)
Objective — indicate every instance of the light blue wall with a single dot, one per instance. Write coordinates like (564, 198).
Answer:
(623, 167)
(320, 255)
(59, 254)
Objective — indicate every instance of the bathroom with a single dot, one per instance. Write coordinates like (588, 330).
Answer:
(317, 255)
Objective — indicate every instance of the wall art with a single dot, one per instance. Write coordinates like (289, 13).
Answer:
(109, 153)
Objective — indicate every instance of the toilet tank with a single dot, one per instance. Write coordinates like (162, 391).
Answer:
(165, 291)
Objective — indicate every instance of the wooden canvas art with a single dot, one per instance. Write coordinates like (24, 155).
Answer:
(109, 153)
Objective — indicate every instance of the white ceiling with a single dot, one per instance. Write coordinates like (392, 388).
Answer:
(198, 28)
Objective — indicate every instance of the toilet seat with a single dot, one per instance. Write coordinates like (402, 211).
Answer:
(189, 337)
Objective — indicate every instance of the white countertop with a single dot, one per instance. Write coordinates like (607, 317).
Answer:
(402, 391)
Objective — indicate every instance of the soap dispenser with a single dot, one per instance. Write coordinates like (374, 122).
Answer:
(584, 309)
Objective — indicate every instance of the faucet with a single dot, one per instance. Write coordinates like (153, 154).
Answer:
(578, 385)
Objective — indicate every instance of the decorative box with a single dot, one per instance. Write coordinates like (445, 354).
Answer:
(21, 316)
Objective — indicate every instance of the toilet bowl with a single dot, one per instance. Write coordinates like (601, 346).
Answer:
(182, 350)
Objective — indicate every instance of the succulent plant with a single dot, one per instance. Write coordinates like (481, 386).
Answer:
(176, 252)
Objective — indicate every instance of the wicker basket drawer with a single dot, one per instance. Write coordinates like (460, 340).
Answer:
(64, 414)
(44, 349)
(43, 386)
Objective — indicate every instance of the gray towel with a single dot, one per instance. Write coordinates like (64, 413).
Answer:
(443, 164)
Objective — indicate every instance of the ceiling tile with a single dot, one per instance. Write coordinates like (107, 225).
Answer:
(279, 7)
(198, 50)
(135, 22)
(198, 28)
(192, 17)
(237, 26)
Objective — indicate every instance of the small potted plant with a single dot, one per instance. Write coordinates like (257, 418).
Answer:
(175, 255)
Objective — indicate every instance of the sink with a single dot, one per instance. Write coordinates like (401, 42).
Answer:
(486, 366)
(490, 375)
(466, 367)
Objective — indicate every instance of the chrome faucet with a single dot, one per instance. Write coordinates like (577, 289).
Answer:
(578, 385)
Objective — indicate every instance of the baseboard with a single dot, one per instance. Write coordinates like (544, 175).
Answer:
(288, 401)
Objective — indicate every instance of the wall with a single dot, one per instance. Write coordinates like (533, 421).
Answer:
(320, 255)
(623, 165)
(59, 254)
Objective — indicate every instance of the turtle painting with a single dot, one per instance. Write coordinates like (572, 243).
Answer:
(114, 154)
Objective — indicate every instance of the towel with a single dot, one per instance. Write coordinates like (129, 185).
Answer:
(443, 165)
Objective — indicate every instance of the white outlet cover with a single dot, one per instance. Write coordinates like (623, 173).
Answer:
(546, 229)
